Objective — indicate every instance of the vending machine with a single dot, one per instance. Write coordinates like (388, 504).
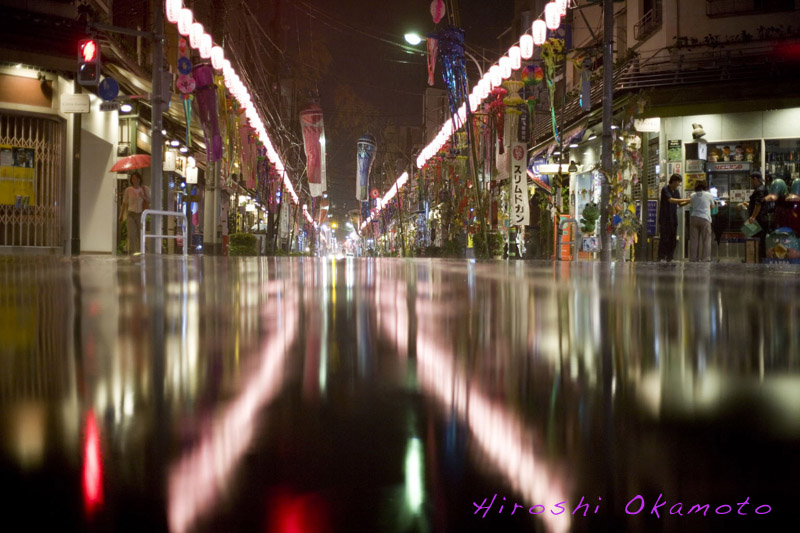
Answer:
(731, 183)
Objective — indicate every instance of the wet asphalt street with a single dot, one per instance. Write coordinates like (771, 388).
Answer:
(311, 396)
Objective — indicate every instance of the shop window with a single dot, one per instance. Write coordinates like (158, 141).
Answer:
(782, 159)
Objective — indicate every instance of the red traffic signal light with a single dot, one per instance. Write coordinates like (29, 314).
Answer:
(88, 50)
(88, 63)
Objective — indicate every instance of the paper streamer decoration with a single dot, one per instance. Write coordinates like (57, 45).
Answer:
(433, 47)
(312, 125)
(437, 10)
(206, 97)
(366, 147)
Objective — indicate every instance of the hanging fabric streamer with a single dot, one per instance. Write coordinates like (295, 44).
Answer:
(366, 147)
(207, 105)
(437, 10)
(433, 47)
(187, 112)
(454, 71)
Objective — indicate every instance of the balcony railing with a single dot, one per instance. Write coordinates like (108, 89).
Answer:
(649, 23)
(727, 8)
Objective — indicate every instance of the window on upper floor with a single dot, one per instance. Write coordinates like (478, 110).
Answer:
(726, 8)
(650, 21)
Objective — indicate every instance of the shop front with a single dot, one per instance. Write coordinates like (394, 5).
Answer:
(723, 149)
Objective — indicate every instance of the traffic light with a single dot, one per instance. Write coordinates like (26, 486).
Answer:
(88, 63)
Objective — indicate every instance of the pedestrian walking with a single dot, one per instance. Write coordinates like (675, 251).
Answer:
(702, 202)
(135, 199)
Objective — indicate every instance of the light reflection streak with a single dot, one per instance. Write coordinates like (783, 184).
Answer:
(200, 477)
(502, 436)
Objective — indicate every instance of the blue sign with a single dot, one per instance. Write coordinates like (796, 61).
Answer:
(652, 215)
(108, 89)
(184, 65)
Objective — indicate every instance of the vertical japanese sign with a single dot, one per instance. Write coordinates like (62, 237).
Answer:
(519, 209)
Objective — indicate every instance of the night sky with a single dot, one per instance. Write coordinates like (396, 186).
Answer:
(381, 74)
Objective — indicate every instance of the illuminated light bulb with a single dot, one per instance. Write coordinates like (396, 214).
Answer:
(217, 57)
(196, 35)
(552, 16)
(185, 19)
(515, 55)
(172, 9)
(562, 7)
(526, 46)
(497, 76)
(505, 67)
(539, 30)
(206, 44)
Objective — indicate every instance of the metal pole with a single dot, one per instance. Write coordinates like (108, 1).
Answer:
(75, 247)
(157, 139)
(608, 106)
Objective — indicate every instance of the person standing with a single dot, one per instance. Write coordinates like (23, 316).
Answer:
(756, 210)
(668, 217)
(135, 199)
(700, 224)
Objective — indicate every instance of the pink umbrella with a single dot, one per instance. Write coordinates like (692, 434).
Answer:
(131, 162)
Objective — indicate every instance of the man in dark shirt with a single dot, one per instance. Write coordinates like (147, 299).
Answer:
(757, 210)
(668, 217)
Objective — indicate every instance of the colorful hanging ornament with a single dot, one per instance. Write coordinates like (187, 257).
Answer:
(454, 72)
(437, 10)
(433, 47)
(532, 75)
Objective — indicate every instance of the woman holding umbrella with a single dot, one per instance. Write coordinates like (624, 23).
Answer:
(135, 200)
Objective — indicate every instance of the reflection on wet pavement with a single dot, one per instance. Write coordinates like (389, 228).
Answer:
(304, 396)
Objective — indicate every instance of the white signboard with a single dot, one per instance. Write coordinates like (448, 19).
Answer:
(647, 124)
(191, 175)
(520, 210)
(75, 103)
(170, 158)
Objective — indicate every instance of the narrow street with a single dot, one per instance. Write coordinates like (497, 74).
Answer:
(308, 395)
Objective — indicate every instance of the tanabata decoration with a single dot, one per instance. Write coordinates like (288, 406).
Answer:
(433, 46)
(454, 72)
(207, 105)
(437, 10)
(532, 75)
(313, 129)
(366, 147)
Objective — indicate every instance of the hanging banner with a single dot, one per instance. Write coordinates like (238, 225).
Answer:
(311, 123)
(519, 209)
(366, 147)
(17, 176)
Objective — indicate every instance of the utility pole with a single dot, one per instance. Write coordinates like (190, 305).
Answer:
(157, 106)
(606, 159)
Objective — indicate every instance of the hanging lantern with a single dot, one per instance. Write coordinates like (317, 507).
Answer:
(552, 16)
(172, 9)
(437, 10)
(217, 57)
(526, 46)
(505, 67)
(473, 102)
(539, 30)
(206, 44)
(562, 7)
(196, 35)
(515, 55)
(497, 76)
(185, 19)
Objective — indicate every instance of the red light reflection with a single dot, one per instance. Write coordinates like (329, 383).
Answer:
(92, 466)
